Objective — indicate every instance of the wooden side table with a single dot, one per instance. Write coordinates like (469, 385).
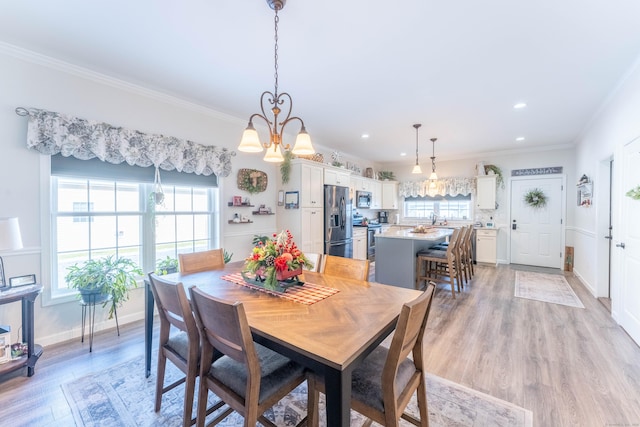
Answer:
(28, 295)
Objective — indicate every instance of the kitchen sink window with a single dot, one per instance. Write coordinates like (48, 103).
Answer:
(449, 207)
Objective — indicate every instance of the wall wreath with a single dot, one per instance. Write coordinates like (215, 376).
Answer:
(535, 198)
(252, 180)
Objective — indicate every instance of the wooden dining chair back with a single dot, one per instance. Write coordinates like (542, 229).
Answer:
(385, 381)
(250, 378)
(440, 265)
(201, 261)
(348, 268)
(181, 348)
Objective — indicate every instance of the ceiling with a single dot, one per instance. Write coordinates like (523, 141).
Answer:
(364, 66)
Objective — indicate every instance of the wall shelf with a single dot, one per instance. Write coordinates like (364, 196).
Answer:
(241, 222)
(240, 206)
(263, 213)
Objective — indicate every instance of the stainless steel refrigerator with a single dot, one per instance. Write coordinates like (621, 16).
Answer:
(338, 228)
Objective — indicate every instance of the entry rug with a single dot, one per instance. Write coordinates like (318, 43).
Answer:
(122, 396)
(308, 294)
(552, 288)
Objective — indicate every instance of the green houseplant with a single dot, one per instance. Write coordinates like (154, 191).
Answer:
(167, 266)
(106, 280)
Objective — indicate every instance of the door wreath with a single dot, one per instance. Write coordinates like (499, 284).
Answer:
(535, 198)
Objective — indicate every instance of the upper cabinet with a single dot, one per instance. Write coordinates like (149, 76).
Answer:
(389, 195)
(486, 192)
(335, 176)
(376, 194)
(311, 186)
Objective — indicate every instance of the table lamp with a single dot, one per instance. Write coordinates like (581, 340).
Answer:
(10, 240)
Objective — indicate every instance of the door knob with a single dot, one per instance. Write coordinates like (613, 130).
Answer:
(608, 237)
(620, 245)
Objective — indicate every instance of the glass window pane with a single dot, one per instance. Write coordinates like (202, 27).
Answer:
(167, 204)
(184, 227)
(72, 195)
(73, 233)
(200, 200)
(183, 199)
(201, 227)
(165, 228)
(127, 197)
(129, 231)
(102, 196)
(104, 232)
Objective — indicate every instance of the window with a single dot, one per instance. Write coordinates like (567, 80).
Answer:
(449, 207)
(97, 217)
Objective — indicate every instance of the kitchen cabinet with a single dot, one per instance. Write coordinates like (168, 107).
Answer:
(360, 243)
(310, 183)
(486, 245)
(486, 192)
(389, 195)
(376, 194)
(312, 230)
(340, 177)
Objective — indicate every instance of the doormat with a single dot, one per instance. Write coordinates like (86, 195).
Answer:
(122, 396)
(552, 288)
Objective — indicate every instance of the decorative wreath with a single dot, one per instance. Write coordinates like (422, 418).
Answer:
(252, 180)
(535, 198)
(634, 193)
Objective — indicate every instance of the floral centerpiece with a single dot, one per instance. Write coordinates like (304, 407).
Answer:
(275, 260)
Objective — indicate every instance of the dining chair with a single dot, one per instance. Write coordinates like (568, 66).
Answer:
(249, 377)
(181, 348)
(195, 262)
(316, 259)
(440, 265)
(383, 384)
(348, 268)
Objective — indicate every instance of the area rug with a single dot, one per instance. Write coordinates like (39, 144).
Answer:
(122, 396)
(552, 288)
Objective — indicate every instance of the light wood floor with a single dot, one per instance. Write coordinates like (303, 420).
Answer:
(571, 367)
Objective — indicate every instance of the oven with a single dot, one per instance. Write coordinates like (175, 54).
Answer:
(372, 230)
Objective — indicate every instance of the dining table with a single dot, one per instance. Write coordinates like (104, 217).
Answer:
(329, 336)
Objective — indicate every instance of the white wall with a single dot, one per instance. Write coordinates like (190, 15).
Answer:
(36, 82)
(616, 124)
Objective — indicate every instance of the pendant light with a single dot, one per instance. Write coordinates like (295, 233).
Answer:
(416, 168)
(433, 175)
(250, 142)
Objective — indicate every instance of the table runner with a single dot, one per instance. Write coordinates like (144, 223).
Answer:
(307, 294)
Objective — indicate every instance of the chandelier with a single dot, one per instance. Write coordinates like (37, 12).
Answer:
(250, 142)
(416, 168)
(433, 175)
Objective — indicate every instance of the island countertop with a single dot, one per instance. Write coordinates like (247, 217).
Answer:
(433, 234)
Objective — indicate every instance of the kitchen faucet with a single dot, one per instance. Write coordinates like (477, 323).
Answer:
(433, 218)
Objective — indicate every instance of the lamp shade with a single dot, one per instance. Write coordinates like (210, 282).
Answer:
(10, 238)
(416, 169)
(433, 176)
(273, 154)
(303, 144)
(250, 142)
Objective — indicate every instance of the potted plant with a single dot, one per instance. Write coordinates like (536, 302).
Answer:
(104, 280)
(167, 266)
(386, 176)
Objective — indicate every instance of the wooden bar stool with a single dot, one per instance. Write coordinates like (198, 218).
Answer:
(440, 266)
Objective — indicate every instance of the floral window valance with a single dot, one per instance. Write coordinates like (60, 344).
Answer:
(52, 133)
(439, 187)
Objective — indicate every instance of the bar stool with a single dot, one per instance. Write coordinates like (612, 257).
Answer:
(89, 307)
(440, 266)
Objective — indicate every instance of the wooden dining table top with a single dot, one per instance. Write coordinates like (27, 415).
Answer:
(334, 331)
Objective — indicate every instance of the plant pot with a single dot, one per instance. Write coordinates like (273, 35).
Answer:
(93, 296)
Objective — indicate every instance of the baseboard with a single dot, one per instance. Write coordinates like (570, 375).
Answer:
(585, 283)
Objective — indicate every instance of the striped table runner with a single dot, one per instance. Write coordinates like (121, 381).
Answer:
(307, 294)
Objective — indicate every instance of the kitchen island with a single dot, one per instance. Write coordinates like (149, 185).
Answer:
(396, 253)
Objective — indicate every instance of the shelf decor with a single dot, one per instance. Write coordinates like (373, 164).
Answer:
(252, 180)
(275, 261)
(535, 198)
(495, 170)
(634, 193)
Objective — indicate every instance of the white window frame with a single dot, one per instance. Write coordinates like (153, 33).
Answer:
(436, 208)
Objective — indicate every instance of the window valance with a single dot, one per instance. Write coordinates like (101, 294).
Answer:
(439, 187)
(52, 133)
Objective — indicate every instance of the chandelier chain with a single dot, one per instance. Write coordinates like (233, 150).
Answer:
(275, 52)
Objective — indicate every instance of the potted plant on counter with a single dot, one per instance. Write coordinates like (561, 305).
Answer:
(104, 280)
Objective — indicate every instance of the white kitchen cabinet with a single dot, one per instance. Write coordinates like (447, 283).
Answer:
(340, 177)
(360, 242)
(312, 230)
(311, 184)
(376, 194)
(389, 195)
(486, 192)
(486, 245)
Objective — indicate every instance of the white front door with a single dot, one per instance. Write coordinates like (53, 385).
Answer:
(628, 245)
(536, 233)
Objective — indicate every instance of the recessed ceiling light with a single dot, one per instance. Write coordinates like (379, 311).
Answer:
(403, 154)
(519, 105)
(364, 136)
(520, 138)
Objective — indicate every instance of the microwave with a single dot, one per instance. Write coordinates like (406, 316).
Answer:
(363, 199)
